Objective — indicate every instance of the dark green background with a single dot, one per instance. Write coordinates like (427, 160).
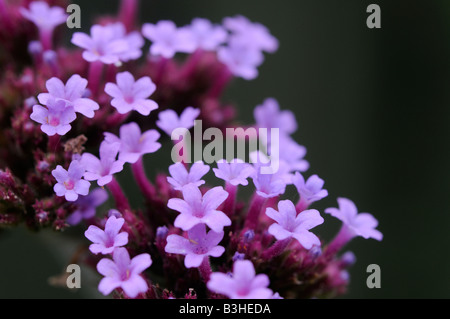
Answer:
(373, 108)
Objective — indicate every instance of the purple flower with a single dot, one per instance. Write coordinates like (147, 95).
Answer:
(291, 154)
(243, 284)
(362, 224)
(44, 16)
(235, 172)
(102, 170)
(255, 34)
(268, 185)
(133, 144)
(167, 39)
(268, 115)
(124, 273)
(86, 206)
(105, 241)
(180, 177)
(129, 95)
(206, 36)
(197, 246)
(135, 42)
(72, 93)
(109, 44)
(55, 118)
(289, 224)
(169, 120)
(310, 191)
(69, 183)
(197, 209)
(241, 59)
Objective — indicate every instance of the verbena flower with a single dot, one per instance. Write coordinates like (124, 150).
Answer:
(235, 172)
(105, 241)
(72, 93)
(124, 272)
(129, 95)
(205, 35)
(311, 190)
(55, 119)
(167, 39)
(241, 59)
(181, 177)
(243, 284)
(290, 225)
(133, 143)
(268, 115)
(169, 119)
(268, 185)
(109, 44)
(196, 209)
(44, 16)
(291, 154)
(103, 169)
(86, 206)
(196, 246)
(362, 224)
(255, 34)
(70, 183)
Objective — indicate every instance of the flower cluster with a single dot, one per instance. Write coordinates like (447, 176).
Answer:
(70, 127)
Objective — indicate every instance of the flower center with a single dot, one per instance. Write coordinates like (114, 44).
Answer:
(126, 275)
(69, 185)
(200, 250)
(129, 99)
(53, 121)
(109, 242)
(198, 213)
(243, 291)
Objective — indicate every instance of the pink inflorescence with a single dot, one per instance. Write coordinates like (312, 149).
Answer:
(75, 119)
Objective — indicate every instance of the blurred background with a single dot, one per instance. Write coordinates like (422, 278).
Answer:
(373, 107)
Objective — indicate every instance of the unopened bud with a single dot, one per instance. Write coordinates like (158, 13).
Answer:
(161, 233)
(248, 236)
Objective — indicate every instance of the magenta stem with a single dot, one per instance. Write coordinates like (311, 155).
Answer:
(53, 143)
(205, 269)
(341, 239)
(46, 36)
(256, 206)
(111, 71)
(230, 203)
(95, 76)
(301, 205)
(4, 15)
(220, 83)
(128, 13)
(147, 188)
(276, 249)
(116, 119)
(118, 195)
(161, 69)
(191, 64)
